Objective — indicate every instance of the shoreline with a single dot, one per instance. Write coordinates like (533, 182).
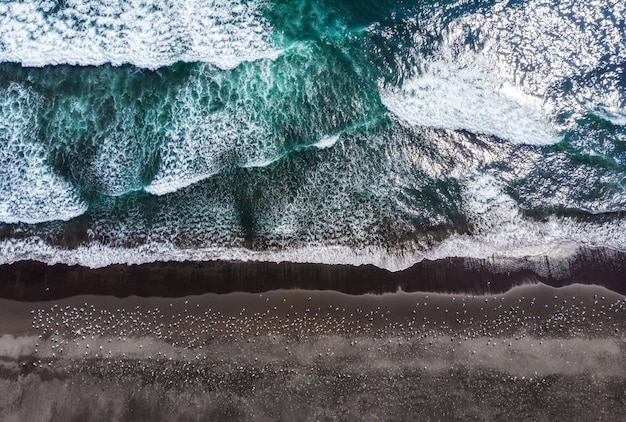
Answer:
(33, 281)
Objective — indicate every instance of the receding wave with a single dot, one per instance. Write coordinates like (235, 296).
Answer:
(559, 240)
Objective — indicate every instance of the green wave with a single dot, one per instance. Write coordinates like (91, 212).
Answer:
(298, 150)
(110, 130)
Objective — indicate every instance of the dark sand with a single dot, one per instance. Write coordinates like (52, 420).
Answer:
(533, 353)
(36, 281)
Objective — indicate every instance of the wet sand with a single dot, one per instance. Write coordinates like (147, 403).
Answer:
(534, 352)
(36, 281)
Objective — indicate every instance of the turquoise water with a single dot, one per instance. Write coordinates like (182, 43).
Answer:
(357, 132)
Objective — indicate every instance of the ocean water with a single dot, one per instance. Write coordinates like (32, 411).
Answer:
(380, 132)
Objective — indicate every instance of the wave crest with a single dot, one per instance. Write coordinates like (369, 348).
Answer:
(145, 33)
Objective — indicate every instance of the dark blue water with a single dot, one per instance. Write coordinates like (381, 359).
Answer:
(357, 132)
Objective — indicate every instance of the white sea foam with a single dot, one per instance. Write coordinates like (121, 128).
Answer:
(614, 115)
(476, 93)
(246, 131)
(168, 184)
(145, 33)
(557, 238)
(97, 255)
(262, 162)
(200, 143)
(541, 44)
(467, 98)
(30, 191)
(326, 142)
(501, 231)
(504, 80)
(117, 162)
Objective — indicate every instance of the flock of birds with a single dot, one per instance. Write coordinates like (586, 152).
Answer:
(282, 325)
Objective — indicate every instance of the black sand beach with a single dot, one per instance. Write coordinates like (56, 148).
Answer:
(176, 341)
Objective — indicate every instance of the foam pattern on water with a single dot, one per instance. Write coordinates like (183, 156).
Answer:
(567, 53)
(513, 71)
(399, 133)
(257, 114)
(502, 231)
(351, 204)
(113, 130)
(30, 191)
(447, 97)
(145, 33)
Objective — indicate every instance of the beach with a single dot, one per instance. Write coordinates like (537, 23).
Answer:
(530, 352)
(36, 281)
